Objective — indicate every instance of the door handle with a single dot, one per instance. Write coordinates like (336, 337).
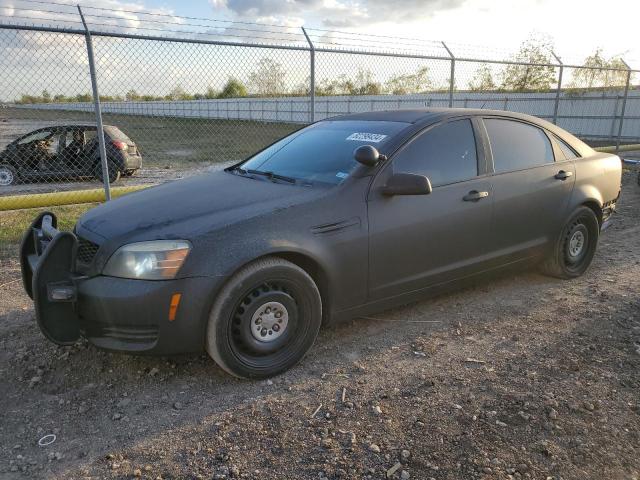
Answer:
(474, 196)
(562, 175)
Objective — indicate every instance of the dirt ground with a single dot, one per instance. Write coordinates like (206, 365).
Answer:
(521, 377)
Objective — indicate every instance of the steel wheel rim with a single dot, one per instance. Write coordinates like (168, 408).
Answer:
(247, 348)
(6, 177)
(576, 244)
(269, 322)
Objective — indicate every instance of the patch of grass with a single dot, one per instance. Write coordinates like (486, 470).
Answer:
(13, 223)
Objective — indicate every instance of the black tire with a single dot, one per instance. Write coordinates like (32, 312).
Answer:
(575, 247)
(114, 172)
(8, 175)
(245, 300)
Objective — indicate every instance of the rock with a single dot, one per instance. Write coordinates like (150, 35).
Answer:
(116, 416)
(123, 403)
(153, 372)
(523, 468)
(553, 414)
(405, 454)
(269, 382)
(589, 406)
(393, 470)
(178, 406)
(500, 424)
(487, 470)
(34, 381)
(374, 448)
(137, 472)
(326, 443)
(377, 410)
(404, 475)
(525, 416)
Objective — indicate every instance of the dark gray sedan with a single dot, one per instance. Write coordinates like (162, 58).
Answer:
(342, 218)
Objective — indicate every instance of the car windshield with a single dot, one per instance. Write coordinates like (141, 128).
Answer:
(322, 152)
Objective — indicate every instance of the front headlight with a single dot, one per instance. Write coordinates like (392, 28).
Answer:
(155, 260)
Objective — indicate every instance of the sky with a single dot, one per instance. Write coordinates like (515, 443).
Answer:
(577, 27)
(472, 28)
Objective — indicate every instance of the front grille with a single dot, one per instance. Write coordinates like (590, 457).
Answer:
(86, 251)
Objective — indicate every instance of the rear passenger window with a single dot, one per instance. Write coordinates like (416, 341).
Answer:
(445, 154)
(517, 145)
(567, 151)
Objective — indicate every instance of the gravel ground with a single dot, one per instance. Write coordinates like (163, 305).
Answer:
(521, 377)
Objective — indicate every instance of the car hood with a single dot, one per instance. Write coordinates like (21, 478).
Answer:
(185, 208)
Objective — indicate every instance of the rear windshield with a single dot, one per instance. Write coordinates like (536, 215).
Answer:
(116, 134)
(322, 152)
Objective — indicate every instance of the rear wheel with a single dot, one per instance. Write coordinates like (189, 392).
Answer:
(575, 247)
(8, 175)
(264, 320)
(114, 172)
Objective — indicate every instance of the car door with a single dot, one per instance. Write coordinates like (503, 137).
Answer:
(531, 189)
(420, 240)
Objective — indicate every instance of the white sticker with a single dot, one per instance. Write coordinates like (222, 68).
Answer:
(367, 137)
(342, 175)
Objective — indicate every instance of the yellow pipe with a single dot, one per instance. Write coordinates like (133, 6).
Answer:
(622, 148)
(35, 200)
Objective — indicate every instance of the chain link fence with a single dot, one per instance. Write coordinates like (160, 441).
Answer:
(176, 103)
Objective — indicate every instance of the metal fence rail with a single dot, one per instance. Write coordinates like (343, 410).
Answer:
(175, 103)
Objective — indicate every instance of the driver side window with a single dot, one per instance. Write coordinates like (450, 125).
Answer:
(445, 154)
(41, 135)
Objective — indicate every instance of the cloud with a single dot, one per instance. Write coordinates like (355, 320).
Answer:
(99, 14)
(338, 13)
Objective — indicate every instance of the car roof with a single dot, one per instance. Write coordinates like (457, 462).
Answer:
(82, 124)
(421, 117)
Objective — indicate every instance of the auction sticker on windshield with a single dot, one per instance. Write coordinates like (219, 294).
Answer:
(367, 137)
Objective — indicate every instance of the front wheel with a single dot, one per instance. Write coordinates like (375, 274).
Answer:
(264, 319)
(575, 247)
(8, 175)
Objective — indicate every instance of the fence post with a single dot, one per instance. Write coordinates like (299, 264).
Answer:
(312, 77)
(557, 103)
(624, 106)
(452, 80)
(97, 110)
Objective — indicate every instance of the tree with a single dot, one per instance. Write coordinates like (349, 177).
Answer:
(46, 96)
(210, 93)
(596, 73)
(179, 93)
(132, 96)
(522, 75)
(234, 88)
(268, 79)
(84, 97)
(482, 80)
(410, 83)
(364, 84)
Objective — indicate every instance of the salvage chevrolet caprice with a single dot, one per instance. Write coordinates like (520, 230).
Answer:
(342, 218)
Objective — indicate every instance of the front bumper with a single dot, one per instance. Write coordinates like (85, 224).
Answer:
(112, 313)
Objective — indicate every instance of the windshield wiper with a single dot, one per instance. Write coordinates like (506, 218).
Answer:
(270, 175)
